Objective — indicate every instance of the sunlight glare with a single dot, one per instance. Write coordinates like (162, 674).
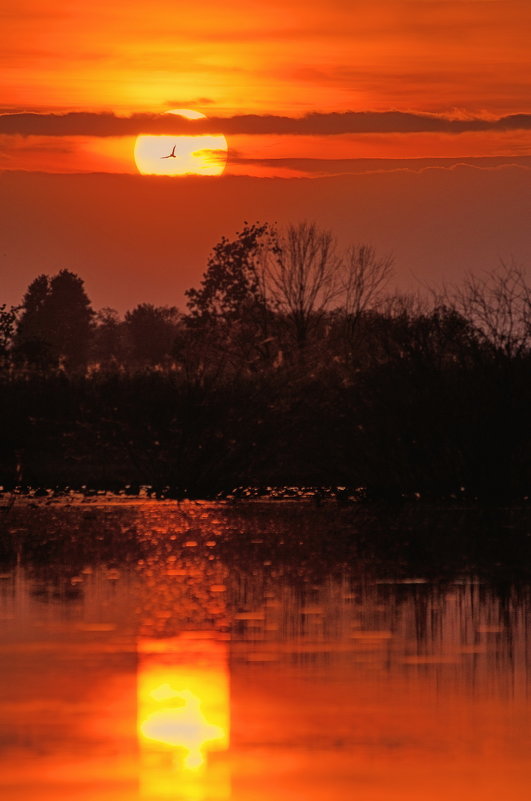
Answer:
(183, 726)
(205, 154)
(183, 719)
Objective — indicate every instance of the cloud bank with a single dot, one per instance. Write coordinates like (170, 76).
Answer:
(355, 166)
(314, 124)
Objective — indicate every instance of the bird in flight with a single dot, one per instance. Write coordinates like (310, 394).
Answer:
(171, 155)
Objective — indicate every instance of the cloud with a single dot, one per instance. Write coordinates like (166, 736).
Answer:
(357, 166)
(197, 101)
(313, 124)
(11, 148)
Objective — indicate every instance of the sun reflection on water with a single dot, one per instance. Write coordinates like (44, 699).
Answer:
(183, 719)
(345, 682)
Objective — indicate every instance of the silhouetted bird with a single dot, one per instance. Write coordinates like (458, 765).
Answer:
(171, 155)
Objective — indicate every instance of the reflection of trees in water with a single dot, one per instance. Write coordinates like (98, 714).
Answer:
(391, 540)
(461, 630)
(69, 536)
(396, 586)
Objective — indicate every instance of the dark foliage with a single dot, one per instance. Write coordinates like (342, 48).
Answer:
(400, 428)
(385, 397)
(232, 278)
(55, 323)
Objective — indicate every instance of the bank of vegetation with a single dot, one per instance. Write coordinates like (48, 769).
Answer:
(293, 364)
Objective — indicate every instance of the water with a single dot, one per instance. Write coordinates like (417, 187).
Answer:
(205, 653)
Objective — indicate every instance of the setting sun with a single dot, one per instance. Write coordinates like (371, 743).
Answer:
(181, 155)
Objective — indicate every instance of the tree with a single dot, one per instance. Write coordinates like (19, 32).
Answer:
(303, 276)
(108, 337)
(498, 304)
(150, 332)
(7, 330)
(233, 280)
(56, 322)
(364, 277)
(32, 343)
(435, 339)
(70, 319)
(231, 306)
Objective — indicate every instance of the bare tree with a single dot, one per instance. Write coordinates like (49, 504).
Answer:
(363, 281)
(302, 275)
(498, 304)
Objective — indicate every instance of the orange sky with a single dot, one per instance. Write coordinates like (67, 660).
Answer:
(458, 58)
(410, 82)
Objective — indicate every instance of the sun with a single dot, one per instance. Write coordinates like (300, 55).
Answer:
(181, 155)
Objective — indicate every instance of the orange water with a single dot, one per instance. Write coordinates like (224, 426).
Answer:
(180, 676)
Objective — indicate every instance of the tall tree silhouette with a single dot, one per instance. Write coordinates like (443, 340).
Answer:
(233, 279)
(231, 307)
(32, 337)
(303, 276)
(56, 322)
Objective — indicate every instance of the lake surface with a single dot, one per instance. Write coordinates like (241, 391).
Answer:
(204, 652)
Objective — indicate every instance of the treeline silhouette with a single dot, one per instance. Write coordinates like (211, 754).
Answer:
(293, 365)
